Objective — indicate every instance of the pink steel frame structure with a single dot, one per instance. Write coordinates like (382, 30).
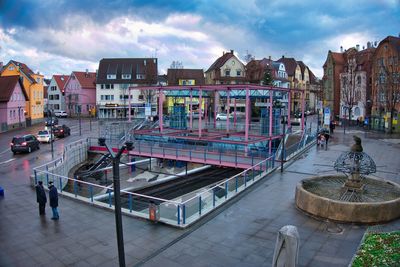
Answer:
(205, 135)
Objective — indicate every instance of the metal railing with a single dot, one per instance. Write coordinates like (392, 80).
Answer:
(179, 212)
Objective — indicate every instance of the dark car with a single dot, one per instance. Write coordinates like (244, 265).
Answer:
(25, 143)
(51, 121)
(61, 131)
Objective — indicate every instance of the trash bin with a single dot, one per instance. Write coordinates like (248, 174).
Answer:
(286, 247)
(154, 212)
(1, 192)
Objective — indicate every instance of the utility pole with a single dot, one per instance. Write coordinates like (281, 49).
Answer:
(79, 117)
(283, 121)
(117, 195)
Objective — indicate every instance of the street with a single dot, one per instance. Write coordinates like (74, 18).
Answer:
(19, 166)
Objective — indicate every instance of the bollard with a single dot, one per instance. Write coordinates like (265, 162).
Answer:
(286, 247)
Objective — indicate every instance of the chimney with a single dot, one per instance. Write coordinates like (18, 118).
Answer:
(269, 57)
(1, 65)
(341, 49)
(363, 47)
(368, 44)
(358, 47)
(231, 51)
(283, 56)
(87, 73)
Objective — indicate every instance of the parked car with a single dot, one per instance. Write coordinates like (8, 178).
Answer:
(51, 121)
(45, 136)
(25, 143)
(195, 115)
(223, 116)
(60, 114)
(61, 131)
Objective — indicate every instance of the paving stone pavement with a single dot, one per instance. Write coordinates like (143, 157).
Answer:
(242, 233)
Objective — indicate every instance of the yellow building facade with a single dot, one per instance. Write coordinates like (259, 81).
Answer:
(33, 84)
(172, 101)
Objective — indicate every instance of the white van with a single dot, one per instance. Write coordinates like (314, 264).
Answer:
(60, 113)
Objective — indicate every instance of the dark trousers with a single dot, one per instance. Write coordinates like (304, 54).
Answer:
(42, 207)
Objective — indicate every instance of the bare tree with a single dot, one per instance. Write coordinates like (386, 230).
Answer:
(248, 57)
(350, 96)
(388, 87)
(176, 65)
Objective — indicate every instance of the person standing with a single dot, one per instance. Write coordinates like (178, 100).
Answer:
(41, 198)
(53, 197)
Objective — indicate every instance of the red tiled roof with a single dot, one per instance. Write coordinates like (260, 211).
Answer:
(61, 80)
(175, 74)
(394, 41)
(290, 65)
(7, 86)
(24, 68)
(221, 61)
(86, 80)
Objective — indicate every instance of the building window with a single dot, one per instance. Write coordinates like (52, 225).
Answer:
(111, 76)
(102, 97)
(227, 73)
(38, 80)
(126, 76)
(140, 76)
(101, 86)
(56, 97)
(238, 73)
(358, 79)
(10, 113)
(107, 86)
(11, 68)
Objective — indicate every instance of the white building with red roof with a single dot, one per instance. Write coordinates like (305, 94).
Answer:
(55, 93)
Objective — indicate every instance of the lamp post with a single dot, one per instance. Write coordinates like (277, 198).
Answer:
(117, 195)
(283, 121)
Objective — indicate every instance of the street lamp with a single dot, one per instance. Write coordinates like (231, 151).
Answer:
(117, 196)
(283, 121)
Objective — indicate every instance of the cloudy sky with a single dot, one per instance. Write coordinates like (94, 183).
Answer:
(59, 36)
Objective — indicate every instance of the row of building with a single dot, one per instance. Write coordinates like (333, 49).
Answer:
(363, 84)
(105, 93)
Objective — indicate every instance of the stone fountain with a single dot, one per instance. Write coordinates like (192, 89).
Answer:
(352, 197)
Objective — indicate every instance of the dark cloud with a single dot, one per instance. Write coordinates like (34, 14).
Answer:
(32, 14)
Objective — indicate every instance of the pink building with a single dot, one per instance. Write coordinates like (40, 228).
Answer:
(12, 103)
(80, 93)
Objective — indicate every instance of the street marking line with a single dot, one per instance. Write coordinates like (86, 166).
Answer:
(5, 151)
(7, 161)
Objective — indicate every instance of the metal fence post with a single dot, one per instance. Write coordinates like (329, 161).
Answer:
(91, 192)
(179, 214)
(130, 203)
(35, 173)
(214, 198)
(60, 183)
(226, 190)
(236, 184)
(109, 198)
(75, 189)
(199, 205)
(47, 175)
(183, 214)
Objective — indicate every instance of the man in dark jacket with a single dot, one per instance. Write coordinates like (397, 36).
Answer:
(53, 197)
(41, 198)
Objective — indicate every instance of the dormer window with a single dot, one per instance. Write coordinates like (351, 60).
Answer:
(140, 76)
(111, 76)
(126, 76)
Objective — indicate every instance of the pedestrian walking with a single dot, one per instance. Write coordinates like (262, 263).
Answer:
(53, 197)
(41, 198)
(332, 126)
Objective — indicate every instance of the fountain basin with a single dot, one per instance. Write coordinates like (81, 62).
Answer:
(325, 197)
